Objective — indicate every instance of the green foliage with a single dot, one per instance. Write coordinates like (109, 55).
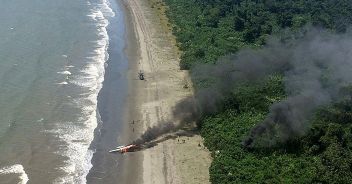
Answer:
(224, 133)
(208, 29)
(323, 155)
(258, 97)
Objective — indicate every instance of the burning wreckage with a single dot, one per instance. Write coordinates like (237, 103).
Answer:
(125, 149)
(184, 114)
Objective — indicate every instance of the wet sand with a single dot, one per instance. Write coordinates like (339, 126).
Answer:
(116, 102)
(152, 48)
(111, 105)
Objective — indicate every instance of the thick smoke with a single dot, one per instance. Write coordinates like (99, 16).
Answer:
(184, 113)
(315, 65)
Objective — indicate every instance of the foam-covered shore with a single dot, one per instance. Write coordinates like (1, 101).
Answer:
(15, 169)
(54, 147)
(54, 56)
(80, 134)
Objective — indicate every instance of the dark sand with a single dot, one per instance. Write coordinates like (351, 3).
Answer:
(151, 47)
(115, 104)
(131, 168)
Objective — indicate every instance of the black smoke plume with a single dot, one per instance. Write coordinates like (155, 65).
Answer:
(315, 64)
(184, 113)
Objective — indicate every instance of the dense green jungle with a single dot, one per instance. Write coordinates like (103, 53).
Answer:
(207, 30)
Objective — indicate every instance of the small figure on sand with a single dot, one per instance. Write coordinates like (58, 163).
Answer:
(141, 75)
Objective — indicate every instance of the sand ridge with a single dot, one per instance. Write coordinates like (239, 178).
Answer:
(182, 160)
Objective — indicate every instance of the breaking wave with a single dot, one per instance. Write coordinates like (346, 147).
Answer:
(15, 169)
(78, 135)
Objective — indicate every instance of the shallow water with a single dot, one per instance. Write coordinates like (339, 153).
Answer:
(52, 62)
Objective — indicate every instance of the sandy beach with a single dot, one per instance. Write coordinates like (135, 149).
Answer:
(152, 49)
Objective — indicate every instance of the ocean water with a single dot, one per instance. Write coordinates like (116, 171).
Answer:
(53, 56)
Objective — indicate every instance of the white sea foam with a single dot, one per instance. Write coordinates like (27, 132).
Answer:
(62, 83)
(65, 72)
(69, 66)
(16, 169)
(79, 135)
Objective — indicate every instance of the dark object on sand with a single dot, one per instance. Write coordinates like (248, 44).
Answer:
(125, 149)
(141, 75)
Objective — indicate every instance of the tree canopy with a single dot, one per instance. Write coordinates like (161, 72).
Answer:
(209, 29)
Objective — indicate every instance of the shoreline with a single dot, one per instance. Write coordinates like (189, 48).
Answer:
(152, 49)
(111, 102)
(130, 170)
